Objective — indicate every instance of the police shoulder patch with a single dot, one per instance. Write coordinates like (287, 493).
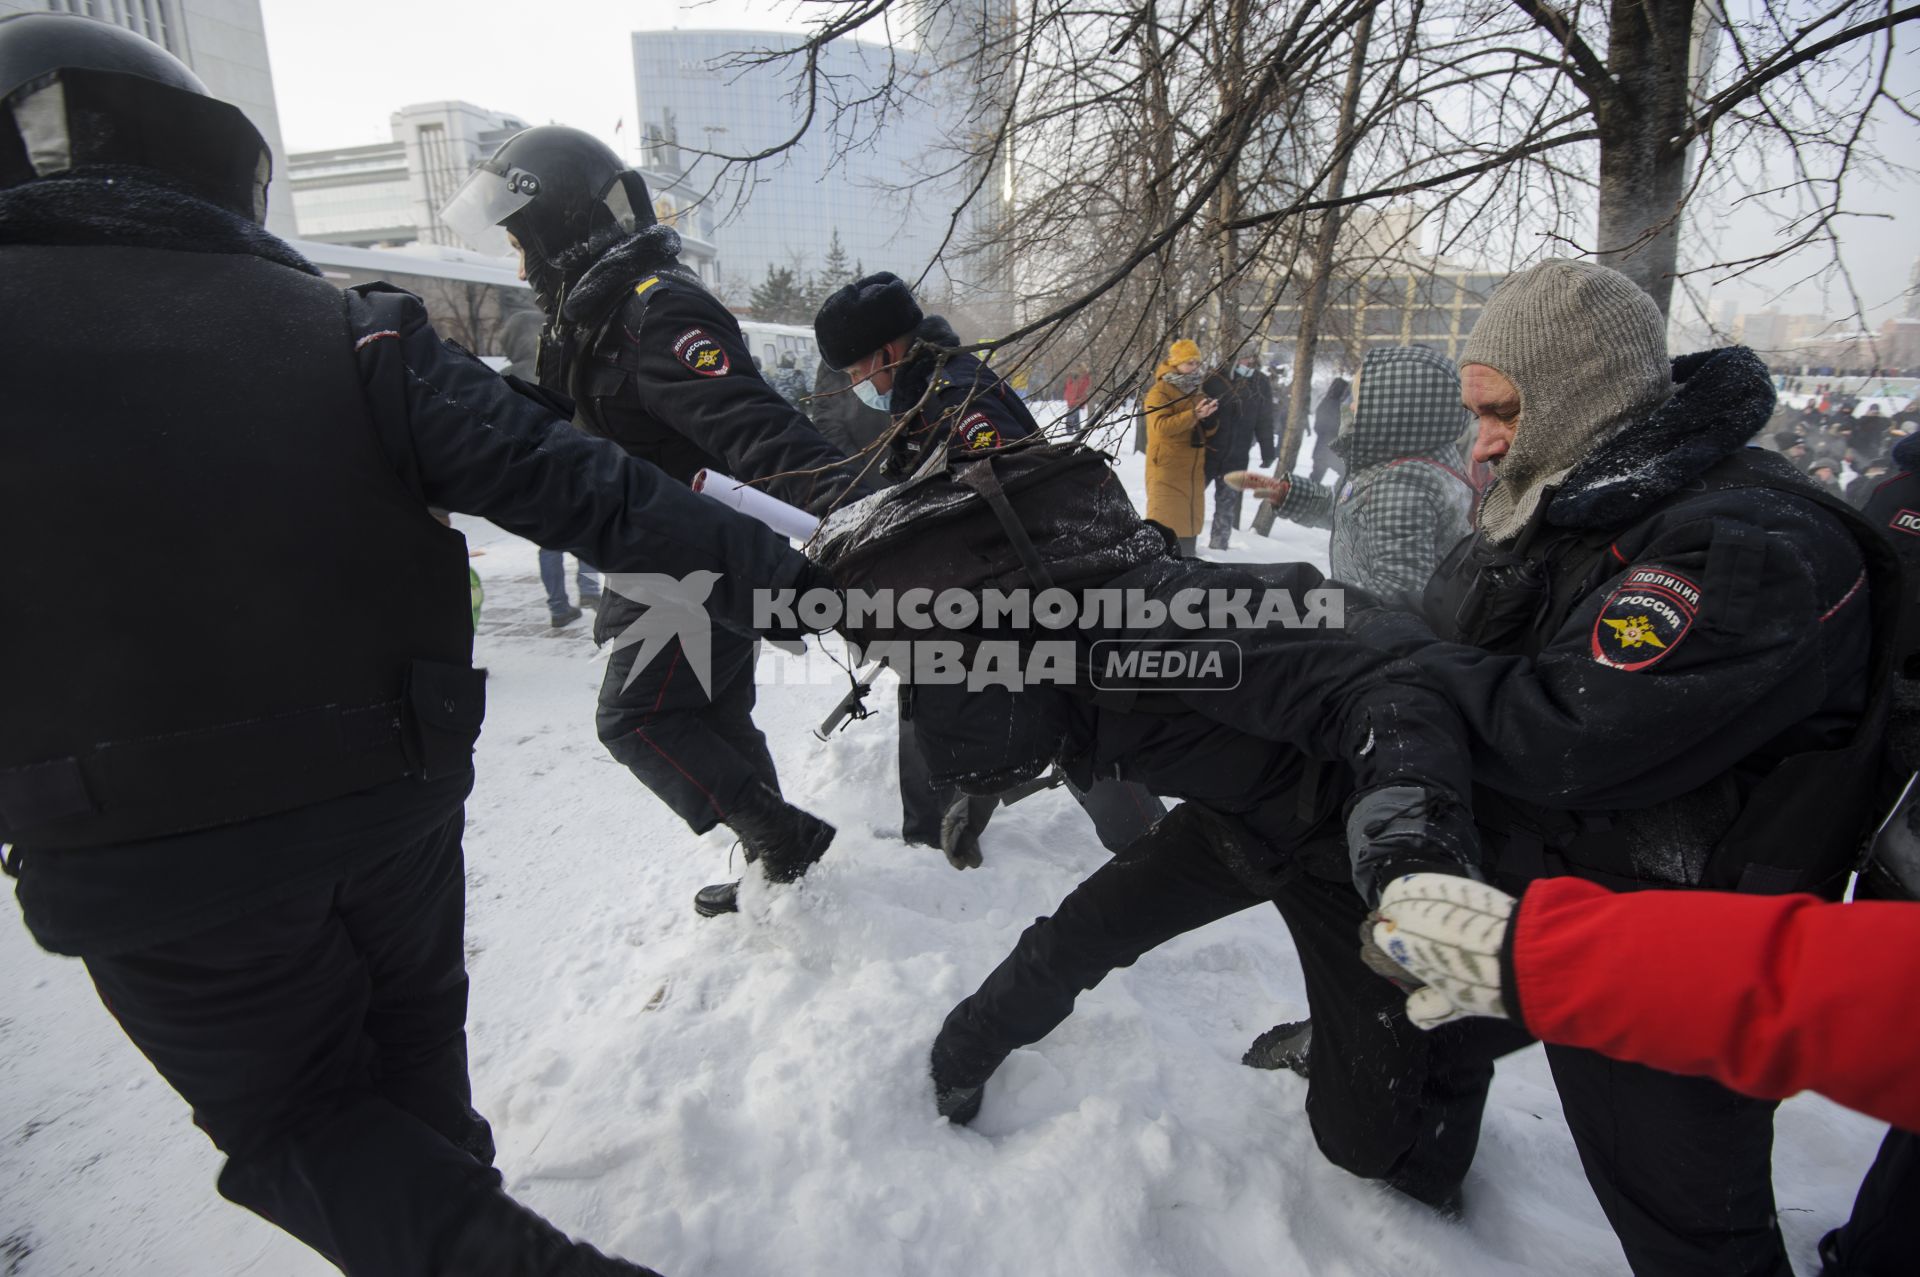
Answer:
(699, 351)
(1907, 521)
(976, 432)
(1644, 618)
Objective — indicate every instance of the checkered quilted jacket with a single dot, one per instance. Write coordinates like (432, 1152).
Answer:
(1406, 499)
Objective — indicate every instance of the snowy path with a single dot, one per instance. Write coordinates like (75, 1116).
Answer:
(748, 1095)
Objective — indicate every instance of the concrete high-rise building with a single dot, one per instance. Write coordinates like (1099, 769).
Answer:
(392, 192)
(878, 194)
(223, 41)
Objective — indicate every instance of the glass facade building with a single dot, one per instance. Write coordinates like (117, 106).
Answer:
(690, 101)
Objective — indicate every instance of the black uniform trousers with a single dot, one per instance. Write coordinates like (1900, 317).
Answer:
(321, 1040)
(1882, 1239)
(1422, 1106)
(697, 753)
(1680, 1165)
(1121, 811)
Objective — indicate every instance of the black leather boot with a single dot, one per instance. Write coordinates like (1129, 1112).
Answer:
(774, 834)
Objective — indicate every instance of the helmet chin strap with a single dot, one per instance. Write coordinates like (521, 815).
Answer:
(548, 283)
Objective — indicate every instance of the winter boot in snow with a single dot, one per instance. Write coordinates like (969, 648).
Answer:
(774, 834)
(961, 826)
(564, 617)
(960, 1067)
(1284, 1046)
(498, 1237)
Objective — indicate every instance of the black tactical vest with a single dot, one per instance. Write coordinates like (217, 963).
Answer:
(221, 600)
(1797, 825)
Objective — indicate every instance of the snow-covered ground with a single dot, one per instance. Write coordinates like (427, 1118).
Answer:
(748, 1095)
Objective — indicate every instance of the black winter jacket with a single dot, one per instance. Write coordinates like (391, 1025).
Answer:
(1660, 637)
(442, 426)
(659, 366)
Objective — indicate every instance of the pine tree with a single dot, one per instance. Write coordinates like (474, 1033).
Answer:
(781, 299)
(836, 267)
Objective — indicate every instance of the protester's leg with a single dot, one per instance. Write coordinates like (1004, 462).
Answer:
(1122, 811)
(660, 727)
(587, 580)
(263, 1026)
(1226, 513)
(1882, 1237)
(1681, 1165)
(922, 804)
(1386, 1100)
(1164, 885)
(1189, 547)
(553, 576)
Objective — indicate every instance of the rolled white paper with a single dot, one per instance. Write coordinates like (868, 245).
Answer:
(789, 521)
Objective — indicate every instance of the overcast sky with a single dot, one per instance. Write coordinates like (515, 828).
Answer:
(340, 68)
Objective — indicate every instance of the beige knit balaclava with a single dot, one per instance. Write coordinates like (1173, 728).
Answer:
(1587, 350)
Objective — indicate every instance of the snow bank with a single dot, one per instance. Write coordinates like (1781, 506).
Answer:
(748, 1095)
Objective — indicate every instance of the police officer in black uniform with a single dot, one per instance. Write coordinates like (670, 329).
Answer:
(237, 794)
(904, 362)
(654, 362)
(1673, 655)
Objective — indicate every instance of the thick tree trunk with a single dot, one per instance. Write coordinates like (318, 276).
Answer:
(1643, 175)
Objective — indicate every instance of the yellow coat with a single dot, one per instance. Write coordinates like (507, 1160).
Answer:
(1176, 470)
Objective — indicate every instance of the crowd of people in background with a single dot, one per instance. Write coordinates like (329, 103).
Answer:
(1844, 443)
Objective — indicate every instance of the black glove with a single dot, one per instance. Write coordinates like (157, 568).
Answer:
(1408, 828)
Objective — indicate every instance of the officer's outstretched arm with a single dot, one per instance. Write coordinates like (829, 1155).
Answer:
(694, 372)
(461, 438)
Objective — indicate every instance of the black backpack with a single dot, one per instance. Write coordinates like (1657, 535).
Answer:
(1032, 515)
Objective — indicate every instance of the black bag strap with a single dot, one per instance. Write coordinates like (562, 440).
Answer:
(983, 480)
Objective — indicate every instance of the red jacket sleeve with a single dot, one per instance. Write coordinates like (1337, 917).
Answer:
(1768, 995)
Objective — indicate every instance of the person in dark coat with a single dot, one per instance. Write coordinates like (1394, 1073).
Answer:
(1326, 429)
(1641, 712)
(842, 417)
(248, 823)
(1228, 448)
(1245, 418)
(875, 327)
(905, 362)
(654, 362)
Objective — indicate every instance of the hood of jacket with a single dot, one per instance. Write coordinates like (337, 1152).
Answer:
(129, 207)
(1409, 404)
(1721, 400)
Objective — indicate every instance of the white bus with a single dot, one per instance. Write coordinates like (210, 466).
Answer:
(767, 342)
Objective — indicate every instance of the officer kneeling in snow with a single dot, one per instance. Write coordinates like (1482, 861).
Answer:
(238, 796)
(651, 360)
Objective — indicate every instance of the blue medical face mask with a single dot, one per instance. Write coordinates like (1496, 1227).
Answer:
(877, 400)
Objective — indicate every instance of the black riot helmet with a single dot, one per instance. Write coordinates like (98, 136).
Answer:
(554, 189)
(76, 93)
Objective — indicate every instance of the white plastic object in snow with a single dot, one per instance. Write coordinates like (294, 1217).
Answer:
(789, 521)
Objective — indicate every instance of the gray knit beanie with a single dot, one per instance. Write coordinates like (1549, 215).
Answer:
(1587, 350)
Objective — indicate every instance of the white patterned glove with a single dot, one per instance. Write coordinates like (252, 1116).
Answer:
(1446, 932)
